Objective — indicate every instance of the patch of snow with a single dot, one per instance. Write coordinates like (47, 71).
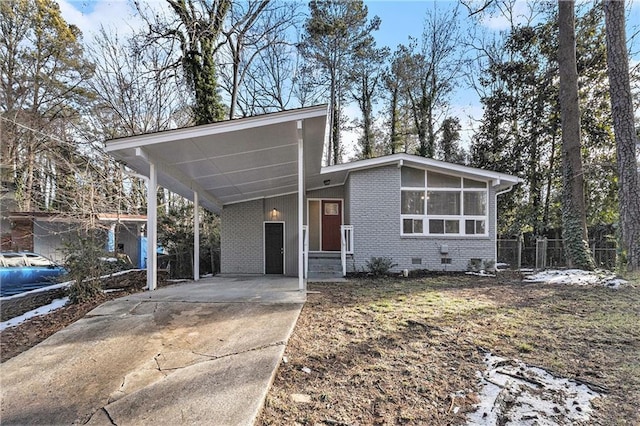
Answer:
(42, 310)
(65, 284)
(577, 277)
(514, 393)
(38, 290)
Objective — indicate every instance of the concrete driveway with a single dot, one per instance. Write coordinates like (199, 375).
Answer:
(198, 353)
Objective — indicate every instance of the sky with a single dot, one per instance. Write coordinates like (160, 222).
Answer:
(399, 20)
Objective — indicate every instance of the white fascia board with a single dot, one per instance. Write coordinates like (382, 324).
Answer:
(402, 158)
(216, 128)
(361, 164)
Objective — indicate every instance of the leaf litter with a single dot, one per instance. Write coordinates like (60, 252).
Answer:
(421, 351)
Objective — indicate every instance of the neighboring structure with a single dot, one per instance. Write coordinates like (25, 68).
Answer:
(264, 173)
(45, 233)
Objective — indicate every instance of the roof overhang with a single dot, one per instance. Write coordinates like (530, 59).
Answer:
(230, 161)
(337, 174)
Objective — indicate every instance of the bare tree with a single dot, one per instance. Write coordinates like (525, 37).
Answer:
(625, 133)
(431, 70)
(254, 29)
(573, 208)
(137, 90)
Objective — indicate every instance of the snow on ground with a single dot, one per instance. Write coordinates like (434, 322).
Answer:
(577, 277)
(514, 393)
(42, 310)
(55, 304)
(37, 290)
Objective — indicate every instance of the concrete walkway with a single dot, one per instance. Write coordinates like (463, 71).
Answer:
(197, 353)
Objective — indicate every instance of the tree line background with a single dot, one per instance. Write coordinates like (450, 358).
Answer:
(200, 61)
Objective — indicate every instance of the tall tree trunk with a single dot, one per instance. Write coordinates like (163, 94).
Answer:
(394, 120)
(624, 130)
(574, 226)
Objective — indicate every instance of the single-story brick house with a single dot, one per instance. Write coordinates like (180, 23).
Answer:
(264, 173)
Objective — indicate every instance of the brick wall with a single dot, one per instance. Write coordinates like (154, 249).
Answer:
(374, 212)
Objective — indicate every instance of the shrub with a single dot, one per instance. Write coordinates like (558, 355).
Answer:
(84, 256)
(379, 266)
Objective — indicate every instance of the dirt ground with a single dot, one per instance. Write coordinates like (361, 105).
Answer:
(407, 351)
(394, 351)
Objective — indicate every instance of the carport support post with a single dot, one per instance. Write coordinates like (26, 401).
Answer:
(196, 237)
(152, 227)
(300, 207)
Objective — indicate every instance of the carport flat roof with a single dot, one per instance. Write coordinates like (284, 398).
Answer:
(232, 161)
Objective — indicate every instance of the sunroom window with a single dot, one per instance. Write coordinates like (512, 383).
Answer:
(435, 203)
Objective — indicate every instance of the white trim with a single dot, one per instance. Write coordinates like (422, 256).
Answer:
(216, 128)
(423, 162)
(264, 246)
(320, 218)
(461, 218)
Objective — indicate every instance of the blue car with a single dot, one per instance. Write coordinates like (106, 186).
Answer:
(23, 271)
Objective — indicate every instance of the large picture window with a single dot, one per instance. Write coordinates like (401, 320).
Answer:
(440, 204)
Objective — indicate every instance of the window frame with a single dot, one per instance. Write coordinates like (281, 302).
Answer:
(461, 218)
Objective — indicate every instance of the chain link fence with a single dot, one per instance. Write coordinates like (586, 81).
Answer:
(544, 253)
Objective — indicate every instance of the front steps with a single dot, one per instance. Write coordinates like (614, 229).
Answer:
(324, 266)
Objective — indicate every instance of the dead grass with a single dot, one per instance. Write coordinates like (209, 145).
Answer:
(395, 351)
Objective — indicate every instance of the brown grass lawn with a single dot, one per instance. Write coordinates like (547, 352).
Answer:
(393, 351)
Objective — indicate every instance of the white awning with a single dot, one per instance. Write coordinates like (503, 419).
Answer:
(231, 161)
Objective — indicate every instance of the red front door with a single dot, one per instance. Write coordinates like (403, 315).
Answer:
(331, 221)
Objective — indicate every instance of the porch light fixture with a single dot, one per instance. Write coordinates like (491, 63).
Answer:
(274, 214)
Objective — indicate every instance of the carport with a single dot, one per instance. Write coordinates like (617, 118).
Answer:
(228, 162)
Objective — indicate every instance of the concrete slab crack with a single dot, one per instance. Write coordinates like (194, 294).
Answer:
(258, 348)
(109, 416)
(132, 310)
(155, 358)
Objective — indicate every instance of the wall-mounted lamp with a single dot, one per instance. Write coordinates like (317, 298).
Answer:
(327, 182)
(274, 214)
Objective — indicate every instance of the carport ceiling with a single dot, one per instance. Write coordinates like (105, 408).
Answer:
(231, 161)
